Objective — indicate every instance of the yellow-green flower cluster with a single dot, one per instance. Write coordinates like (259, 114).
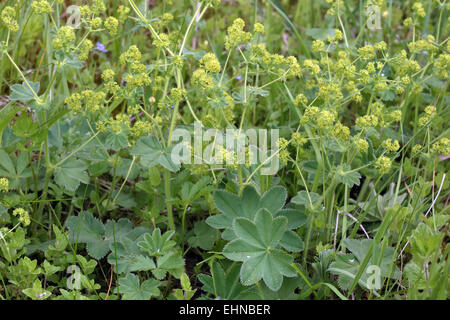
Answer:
(402, 65)
(416, 148)
(85, 47)
(380, 85)
(442, 65)
(123, 13)
(367, 52)
(96, 23)
(41, 6)
(92, 100)
(300, 99)
(177, 61)
(84, 11)
(288, 67)
(383, 164)
(131, 55)
(283, 155)
(294, 68)
(119, 123)
(335, 5)
(140, 129)
(318, 46)
(210, 63)
(418, 9)
(176, 94)
(139, 76)
(430, 112)
(162, 41)
(64, 38)
(371, 67)
(74, 102)
(395, 115)
(202, 79)
(23, 215)
(361, 145)
(312, 66)
(282, 143)
(236, 34)
(112, 25)
(340, 131)
(338, 36)
(259, 28)
(391, 146)
(259, 51)
(367, 121)
(309, 115)
(408, 22)
(380, 46)
(298, 139)
(325, 119)
(423, 45)
(8, 17)
(329, 91)
(441, 147)
(97, 7)
(165, 20)
(110, 85)
(4, 185)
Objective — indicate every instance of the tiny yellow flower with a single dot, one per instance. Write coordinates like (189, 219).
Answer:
(210, 63)
(362, 145)
(24, 217)
(4, 185)
(383, 164)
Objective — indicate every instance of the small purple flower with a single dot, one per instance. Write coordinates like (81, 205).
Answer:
(101, 47)
(239, 77)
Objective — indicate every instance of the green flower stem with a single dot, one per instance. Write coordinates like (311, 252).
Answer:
(47, 91)
(168, 195)
(48, 176)
(304, 279)
(189, 28)
(76, 150)
(225, 67)
(125, 180)
(183, 226)
(23, 77)
(344, 219)
(150, 27)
